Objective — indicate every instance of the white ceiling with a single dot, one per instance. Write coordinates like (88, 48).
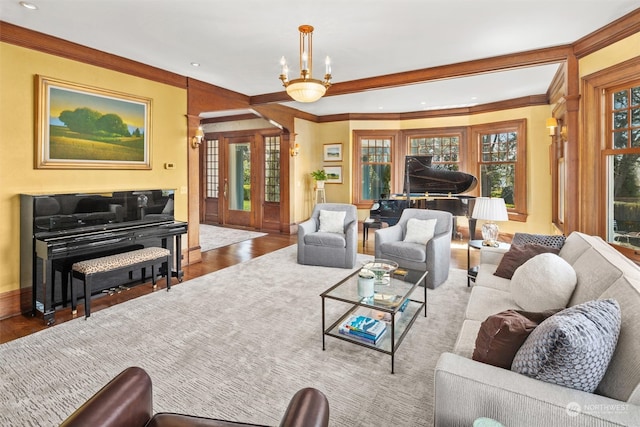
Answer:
(239, 42)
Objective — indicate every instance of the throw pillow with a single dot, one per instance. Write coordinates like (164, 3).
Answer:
(501, 335)
(420, 230)
(518, 255)
(553, 241)
(544, 282)
(572, 348)
(332, 221)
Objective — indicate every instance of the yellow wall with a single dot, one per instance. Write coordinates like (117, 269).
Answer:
(610, 55)
(18, 68)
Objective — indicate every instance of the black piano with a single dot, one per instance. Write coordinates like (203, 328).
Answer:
(59, 229)
(427, 187)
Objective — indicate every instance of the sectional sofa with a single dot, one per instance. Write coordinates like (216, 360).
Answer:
(466, 389)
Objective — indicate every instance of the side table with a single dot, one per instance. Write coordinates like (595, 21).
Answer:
(369, 223)
(472, 272)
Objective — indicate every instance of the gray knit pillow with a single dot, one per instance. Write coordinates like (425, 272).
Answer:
(552, 241)
(573, 347)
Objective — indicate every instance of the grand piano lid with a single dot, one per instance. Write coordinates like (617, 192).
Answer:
(421, 177)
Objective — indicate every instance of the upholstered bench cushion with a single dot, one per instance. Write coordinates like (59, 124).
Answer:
(114, 262)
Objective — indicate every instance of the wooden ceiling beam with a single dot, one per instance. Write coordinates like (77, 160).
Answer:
(530, 58)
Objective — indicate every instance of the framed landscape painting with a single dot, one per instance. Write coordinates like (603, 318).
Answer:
(332, 152)
(82, 127)
(334, 174)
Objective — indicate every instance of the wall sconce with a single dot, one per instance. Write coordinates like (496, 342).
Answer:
(197, 138)
(552, 124)
(295, 150)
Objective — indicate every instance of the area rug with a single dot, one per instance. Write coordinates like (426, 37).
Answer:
(235, 344)
(212, 236)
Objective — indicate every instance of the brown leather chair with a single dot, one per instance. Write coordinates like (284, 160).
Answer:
(126, 401)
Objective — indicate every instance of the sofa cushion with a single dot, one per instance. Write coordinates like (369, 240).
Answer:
(544, 282)
(554, 241)
(518, 255)
(622, 380)
(466, 341)
(502, 334)
(332, 221)
(334, 240)
(484, 302)
(420, 230)
(573, 347)
(414, 252)
(486, 278)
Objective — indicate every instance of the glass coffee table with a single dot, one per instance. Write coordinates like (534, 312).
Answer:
(391, 303)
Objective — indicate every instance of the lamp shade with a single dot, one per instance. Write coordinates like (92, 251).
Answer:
(306, 90)
(490, 209)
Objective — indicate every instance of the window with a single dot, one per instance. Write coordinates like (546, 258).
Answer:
(445, 149)
(272, 169)
(501, 163)
(373, 166)
(212, 165)
(622, 156)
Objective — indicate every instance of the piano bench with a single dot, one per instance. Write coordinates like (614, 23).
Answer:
(92, 270)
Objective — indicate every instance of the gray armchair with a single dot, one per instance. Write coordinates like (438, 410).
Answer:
(329, 249)
(433, 257)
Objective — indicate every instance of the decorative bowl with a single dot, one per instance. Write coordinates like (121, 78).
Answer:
(382, 269)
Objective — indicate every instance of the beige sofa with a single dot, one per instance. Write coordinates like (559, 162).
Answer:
(466, 390)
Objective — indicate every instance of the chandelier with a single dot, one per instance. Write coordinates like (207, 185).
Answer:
(306, 88)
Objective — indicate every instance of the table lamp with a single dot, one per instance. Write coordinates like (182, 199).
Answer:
(490, 209)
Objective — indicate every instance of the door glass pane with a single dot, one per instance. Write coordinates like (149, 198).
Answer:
(624, 200)
(239, 177)
(212, 168)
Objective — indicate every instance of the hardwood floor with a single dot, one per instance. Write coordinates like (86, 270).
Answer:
(217, 259)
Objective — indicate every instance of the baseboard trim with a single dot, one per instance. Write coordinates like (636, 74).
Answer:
(10, 302)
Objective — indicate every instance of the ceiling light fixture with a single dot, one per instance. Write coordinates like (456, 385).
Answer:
(306, 88)
(195, 64)
(28, 5)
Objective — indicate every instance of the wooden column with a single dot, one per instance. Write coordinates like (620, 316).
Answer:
(193, 205)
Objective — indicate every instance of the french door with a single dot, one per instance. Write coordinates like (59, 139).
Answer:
(239, 200)
(241, 179)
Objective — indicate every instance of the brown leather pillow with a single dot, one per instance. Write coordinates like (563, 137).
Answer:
(518, 255)
(501, 335)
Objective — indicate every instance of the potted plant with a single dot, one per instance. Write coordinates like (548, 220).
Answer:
(320, 176)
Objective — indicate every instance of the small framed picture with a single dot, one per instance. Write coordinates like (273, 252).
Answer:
(334, 174)
(332, 152)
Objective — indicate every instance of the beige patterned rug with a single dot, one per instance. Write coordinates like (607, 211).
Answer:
(213, 236)
(235, 344)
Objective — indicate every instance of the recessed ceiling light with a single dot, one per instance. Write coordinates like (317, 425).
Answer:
(28, 5)
(474, 98)
(195, 64)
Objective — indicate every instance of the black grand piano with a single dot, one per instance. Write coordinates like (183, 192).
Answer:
(427, 187)
(59, 229)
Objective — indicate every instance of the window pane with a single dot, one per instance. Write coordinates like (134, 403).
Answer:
(212, 168)
(620, 120)
(272, 169)
(620, 100)
(498, 180)
(620, 139)
(375, 181)
(624, 200)
(635, 96)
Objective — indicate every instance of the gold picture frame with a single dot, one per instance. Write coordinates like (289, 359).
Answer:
(83, 127)
(332, 152)
(334, 174)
